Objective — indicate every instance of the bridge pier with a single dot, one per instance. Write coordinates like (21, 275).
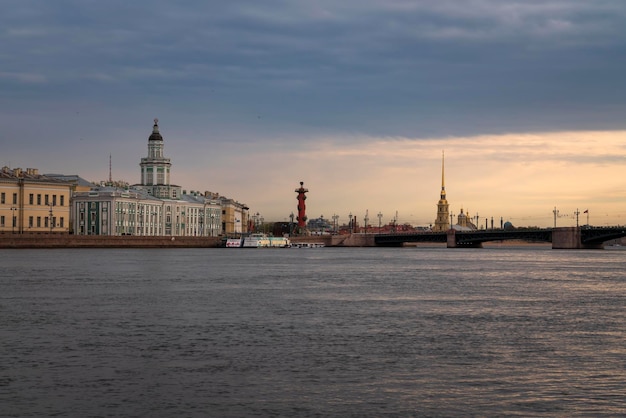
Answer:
(566, 238)
(452, 242)
(569, 238)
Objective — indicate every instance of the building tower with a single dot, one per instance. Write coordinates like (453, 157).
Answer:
(442, 223)
(155, 169)
(301, 206)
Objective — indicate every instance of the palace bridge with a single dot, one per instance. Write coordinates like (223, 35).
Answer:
(561, 238)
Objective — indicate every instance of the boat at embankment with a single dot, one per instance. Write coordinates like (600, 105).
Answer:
(258, 240)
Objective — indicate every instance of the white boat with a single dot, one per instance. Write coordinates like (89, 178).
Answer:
(258, 240)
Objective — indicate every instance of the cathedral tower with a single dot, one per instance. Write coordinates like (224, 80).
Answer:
(442, 223)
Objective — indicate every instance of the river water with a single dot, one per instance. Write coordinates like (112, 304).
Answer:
(337, 332)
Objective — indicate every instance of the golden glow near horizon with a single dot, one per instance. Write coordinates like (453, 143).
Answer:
(519, 177)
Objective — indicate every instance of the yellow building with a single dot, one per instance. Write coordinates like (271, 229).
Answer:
(33, 203)
(234, 216)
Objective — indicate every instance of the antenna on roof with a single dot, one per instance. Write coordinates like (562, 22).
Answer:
(110, 176)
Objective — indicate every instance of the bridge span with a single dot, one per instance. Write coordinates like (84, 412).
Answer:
(561, 238)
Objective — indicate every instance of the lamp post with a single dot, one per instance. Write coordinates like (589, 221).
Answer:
(291, 216)
(350, 227)
(556, 215)
(335, 219)
(380, 219)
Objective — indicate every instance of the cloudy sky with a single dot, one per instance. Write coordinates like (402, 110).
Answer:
(357, 98)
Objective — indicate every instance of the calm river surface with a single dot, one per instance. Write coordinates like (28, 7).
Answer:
(338, 332)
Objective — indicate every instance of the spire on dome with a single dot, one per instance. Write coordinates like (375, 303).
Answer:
(156, 136)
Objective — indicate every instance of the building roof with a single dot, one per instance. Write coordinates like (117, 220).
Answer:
(71, 178)
(30, 174)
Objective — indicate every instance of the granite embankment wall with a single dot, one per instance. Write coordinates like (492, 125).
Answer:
(352, 240)
(131, 241)
(80, 241)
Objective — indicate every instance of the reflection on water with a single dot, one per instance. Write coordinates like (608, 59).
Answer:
(325, 332)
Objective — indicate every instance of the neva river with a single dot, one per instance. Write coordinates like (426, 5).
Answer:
(329, 332)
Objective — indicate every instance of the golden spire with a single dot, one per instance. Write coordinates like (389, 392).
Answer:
(443, 184)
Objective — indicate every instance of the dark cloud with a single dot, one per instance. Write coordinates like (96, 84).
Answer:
(378, 67)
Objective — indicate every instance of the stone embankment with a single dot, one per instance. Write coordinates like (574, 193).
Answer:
(352, 240)
(90, 241)
(130, 241)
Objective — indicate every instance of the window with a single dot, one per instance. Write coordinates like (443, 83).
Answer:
(54, 200)
(38, 221)
(31, 199)
(30, 221)
(3, 198)
(2, 219)
(15, 198)
(47, 200)
(45, 222)
(62, 198)
(39, 199)
(61, 223)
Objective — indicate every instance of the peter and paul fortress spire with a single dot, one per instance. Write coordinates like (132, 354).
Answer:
(443, 179)
(442, 223)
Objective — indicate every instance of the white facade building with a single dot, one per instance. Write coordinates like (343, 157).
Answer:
(153, 208)
(114, 211)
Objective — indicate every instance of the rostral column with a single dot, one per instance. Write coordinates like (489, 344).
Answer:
(301, 206)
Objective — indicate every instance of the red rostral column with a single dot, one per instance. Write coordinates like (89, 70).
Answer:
(301, 206)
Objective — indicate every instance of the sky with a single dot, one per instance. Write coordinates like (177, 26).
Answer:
(358, 99)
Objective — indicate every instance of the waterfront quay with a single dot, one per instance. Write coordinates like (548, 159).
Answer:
(98, 241)
(561, 238)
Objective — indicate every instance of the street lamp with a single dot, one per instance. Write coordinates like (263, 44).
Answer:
(380, 218)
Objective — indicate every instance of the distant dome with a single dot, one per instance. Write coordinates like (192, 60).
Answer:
(508, 225)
